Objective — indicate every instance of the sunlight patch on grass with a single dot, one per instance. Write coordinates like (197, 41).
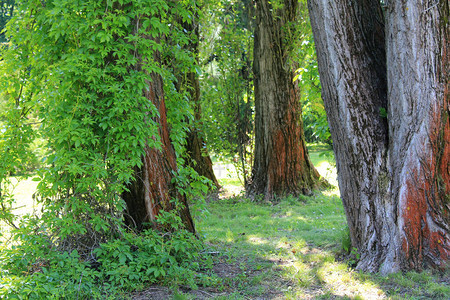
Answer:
(23, 190)
(300, 218)
(290, 245)
(328, 171)
(229, 181)
(256, 240)
(343, 283)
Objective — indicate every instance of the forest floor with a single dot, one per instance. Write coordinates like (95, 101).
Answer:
(291, 248)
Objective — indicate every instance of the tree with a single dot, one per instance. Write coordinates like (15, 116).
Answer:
(92, 73)
(153, 189)
(197, 153)
(281, 161)
(386, 96)
(227, 88)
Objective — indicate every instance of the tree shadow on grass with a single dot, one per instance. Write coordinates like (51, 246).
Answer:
(285, 250)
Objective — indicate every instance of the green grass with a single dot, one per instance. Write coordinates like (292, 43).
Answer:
(322, 157)
(291, 243)
(229, 181)
(23, 190)
(290, 248)
(293, 246)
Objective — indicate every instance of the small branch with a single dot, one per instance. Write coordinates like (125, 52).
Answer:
(431, 7)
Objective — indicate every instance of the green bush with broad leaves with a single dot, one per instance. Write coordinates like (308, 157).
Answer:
(115, 267)
(72, 76)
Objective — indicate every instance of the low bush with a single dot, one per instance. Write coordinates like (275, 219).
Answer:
(35, 269)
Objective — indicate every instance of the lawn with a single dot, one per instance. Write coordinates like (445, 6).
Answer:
(292, 248)
(289, 248)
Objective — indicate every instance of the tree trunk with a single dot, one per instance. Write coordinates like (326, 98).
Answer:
(198, 157)
(418, 76)
(153, 189)
(388, 164)
(197, 153)
(281, 163)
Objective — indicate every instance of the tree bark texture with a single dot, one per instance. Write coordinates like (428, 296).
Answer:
(281, 162)
(392, 168)
(418, 76)
(153, 189)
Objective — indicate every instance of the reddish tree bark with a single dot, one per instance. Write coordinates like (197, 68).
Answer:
(418, 75)
(153, 189)
(393, 169)
(281, 163)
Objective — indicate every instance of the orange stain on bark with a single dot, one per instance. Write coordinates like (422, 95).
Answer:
(426, 201)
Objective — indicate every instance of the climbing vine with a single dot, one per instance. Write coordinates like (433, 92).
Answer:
(73, 76)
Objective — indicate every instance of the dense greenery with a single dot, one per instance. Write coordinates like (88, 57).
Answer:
(73, 76)
(33, 270)
(227, 87)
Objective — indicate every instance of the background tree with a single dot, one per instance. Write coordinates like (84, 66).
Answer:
(227, 89)
(390, 125)
(197, 156)
(281, 163)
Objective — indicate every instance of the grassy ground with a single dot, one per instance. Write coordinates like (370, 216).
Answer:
(23, 191)
(290, 248)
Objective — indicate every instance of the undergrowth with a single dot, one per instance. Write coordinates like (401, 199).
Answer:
(33, 269)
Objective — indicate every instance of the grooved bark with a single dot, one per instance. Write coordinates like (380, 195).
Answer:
(418, 59)
(393, 172)
(153, 189)
(281, 164)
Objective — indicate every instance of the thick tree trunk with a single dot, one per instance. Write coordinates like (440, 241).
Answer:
(153, 189)
(419, 131)
(281, 163)
(389, 169)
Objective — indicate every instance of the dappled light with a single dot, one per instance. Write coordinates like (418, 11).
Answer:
(191, 149)
(296, 241)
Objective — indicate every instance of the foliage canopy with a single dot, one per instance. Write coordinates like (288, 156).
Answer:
(73, 76)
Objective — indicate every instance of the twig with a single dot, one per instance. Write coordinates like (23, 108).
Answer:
(206, 293)
(431, 7)
(210, 252)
